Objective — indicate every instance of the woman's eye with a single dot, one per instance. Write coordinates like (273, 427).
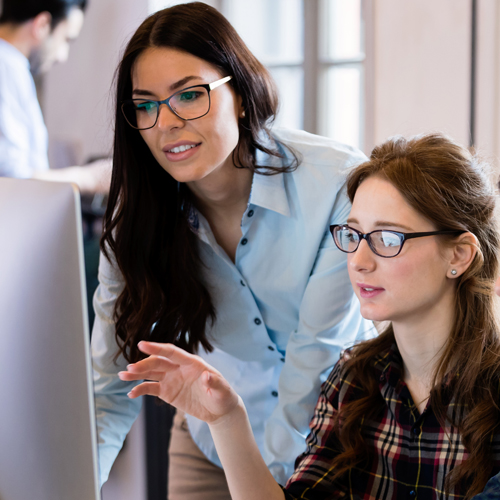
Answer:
(145, 106)
(389, 240)
(350, 236)
(192, 95)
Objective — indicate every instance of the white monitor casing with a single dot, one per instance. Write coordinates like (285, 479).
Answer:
(48, 445)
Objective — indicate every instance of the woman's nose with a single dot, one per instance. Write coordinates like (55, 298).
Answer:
(363, 259)
(167, 119)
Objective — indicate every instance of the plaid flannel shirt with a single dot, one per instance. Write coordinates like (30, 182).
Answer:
(410, 453)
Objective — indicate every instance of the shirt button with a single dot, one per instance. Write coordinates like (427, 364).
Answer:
(257, 321)
(274, 393)
(282, 360)
(244, 241)
(250, 213)
(270, 347)
(242, 283)
(413, 494)
(416, 431)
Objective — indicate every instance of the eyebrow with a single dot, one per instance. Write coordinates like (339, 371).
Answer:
(383, 224)
(177, 85)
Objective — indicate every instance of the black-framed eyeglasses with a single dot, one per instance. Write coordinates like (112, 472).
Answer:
(382, 242)
(190, 103)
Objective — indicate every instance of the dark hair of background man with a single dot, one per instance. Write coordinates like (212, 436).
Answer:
(20, 11)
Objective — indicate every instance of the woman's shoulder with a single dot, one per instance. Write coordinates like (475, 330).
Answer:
(317, 150)
(109, 271)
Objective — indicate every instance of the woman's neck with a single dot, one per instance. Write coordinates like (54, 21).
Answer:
(224, 193)
(421, 341)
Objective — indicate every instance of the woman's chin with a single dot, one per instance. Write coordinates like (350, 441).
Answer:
(374, 314)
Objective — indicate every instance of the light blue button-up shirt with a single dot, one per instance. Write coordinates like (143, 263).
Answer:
(285, 308)
(23, 135)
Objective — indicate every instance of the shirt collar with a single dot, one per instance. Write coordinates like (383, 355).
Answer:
(269, 191)
(390, 366)
(15, 55)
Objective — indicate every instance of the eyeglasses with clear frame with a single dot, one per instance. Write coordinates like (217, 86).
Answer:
(382, 242)
(189, 103)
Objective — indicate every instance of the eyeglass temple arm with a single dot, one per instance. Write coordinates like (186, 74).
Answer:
(429, 233)
(216, 84)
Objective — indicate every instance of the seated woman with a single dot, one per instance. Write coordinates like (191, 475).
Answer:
(413, 413)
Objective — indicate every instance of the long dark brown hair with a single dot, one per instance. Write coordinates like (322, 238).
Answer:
(146, 225)
(448, 185)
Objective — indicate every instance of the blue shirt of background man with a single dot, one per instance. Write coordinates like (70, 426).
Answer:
(23, 135)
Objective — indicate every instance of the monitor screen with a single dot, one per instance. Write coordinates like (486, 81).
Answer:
(47, 423)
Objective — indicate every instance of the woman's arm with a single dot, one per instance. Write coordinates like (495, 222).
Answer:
(115, 412)
(193, 386)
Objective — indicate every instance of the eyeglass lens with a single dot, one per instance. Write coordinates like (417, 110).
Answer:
(384, 243)
(187, 104)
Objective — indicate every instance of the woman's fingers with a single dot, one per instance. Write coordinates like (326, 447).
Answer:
(157, 363)
(146, 388)
(150, 375)
(170, 351)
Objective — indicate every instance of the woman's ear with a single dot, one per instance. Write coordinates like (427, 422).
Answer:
(463, 252)
(240, 110)
(497, 287)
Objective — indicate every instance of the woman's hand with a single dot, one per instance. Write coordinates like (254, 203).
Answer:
(182, 380)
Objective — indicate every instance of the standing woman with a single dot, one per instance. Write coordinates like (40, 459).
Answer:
(216, 239)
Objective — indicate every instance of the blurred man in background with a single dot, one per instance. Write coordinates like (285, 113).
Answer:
(35, 34)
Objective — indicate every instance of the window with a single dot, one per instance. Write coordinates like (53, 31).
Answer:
(340, 71)
(274, 32)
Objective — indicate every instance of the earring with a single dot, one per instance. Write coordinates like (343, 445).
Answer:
(453, 272)
(242, 115)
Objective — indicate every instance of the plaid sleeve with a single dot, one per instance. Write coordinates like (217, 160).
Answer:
(311, 479)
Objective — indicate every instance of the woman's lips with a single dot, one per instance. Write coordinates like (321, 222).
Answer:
(368, 291)
(181, 151)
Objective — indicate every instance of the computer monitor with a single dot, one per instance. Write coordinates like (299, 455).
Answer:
(48, 446)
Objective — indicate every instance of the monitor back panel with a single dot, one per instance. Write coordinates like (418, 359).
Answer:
(47, 423)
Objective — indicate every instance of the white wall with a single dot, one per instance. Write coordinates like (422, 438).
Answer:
(420, 71)
(488, 84)
(421, 67)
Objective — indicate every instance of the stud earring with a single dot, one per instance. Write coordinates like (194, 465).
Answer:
(454, 272)
(243, 114)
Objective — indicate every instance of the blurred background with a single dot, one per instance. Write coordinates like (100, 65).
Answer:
(355, 70)
(358, 71)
